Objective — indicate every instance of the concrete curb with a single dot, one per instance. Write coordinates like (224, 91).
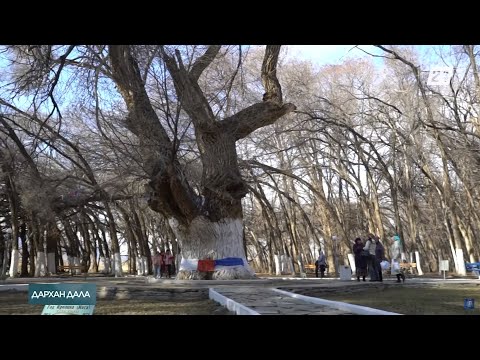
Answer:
(152, 280)
(231, 305)
(356, 309)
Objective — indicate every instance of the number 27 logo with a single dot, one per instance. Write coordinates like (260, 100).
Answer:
(439, 76)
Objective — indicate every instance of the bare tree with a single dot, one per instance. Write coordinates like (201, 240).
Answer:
(210, 221)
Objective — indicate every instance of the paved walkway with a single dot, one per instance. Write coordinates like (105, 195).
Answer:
(269, 302)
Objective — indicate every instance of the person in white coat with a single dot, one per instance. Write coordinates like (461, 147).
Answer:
(370, 246)
(396, 258)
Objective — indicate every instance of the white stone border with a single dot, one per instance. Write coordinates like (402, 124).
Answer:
(356, 309)
(231, 305)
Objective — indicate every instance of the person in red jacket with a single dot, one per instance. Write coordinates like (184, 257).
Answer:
(168, 260)
(163, 269)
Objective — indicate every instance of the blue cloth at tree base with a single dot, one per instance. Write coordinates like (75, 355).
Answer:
(230, 261)
(472, 266)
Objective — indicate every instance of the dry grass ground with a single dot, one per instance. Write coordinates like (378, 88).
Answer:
(16, 303)
(438, 299)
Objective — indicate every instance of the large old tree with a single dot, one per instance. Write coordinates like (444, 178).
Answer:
(209, 222)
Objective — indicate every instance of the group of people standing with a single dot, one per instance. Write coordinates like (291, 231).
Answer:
(370, 254)
(163, 264)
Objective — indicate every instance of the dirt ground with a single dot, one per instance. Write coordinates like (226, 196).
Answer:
(438, 299)
(16, 303)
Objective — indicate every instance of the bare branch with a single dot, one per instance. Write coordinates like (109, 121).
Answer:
(171, 193)
(204, 61)
(20, 146)
(191, 96)
(254, 117)
(273, 90)
(55, 81)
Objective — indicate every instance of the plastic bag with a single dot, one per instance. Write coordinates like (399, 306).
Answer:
(385, 265)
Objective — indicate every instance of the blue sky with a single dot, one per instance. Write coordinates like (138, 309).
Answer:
(336, 54)
(327, 54)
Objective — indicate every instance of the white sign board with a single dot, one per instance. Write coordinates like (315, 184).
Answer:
(68, 310)
(345, 272)
(440, 76)
(444, 265)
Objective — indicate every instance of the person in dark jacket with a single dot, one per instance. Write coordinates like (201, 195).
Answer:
(320, 264)
(379, 257)
(360, 261)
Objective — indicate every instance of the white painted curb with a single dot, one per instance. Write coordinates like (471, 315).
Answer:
(231, 305)
(356, 309)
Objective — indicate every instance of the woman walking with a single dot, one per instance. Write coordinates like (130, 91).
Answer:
(360, 261)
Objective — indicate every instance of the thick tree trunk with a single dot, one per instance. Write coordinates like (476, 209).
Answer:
(143, 249)
(104, 250)
(87, 250)
(25, 252)
(117, 269)
(206, 239)
(92, 250)
(117, 265)
(15, 257)
(107, 265)
(53, 238)
(3, 253)
(33, 236)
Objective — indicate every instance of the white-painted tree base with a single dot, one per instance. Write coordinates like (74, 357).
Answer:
(145, 265)
(76, 262)
(204, 239)
(461, 269)
(278, 270)
(232, 273)
(118, 272)
(14, 263)
(419, 264)
(139, 265)
(92, 262)
(188, 271)
(40, 264)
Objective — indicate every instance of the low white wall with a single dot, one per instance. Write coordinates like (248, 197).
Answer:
(231, 305)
